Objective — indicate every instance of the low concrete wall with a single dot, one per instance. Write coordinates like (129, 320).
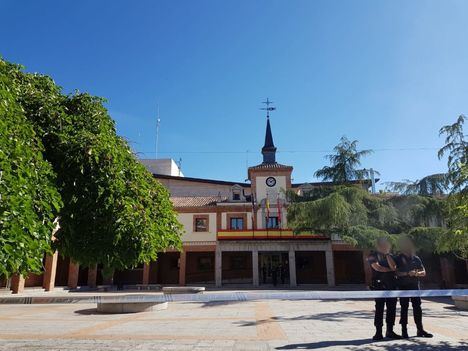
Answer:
(183, 289)
(461, 302)
(131, 307)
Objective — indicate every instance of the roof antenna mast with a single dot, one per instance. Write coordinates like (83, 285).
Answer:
(158, 122)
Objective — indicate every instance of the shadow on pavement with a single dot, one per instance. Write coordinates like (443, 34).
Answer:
(87, 311)
(321, 344)
(381, 345)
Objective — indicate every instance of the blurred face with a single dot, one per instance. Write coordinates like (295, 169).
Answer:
(407, 246)
(384, 246)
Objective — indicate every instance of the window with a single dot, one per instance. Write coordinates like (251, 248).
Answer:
(200, 223)
(236, 193)
(272, 222)
(237, 223)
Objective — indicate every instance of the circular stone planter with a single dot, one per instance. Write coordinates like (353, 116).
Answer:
(183, 289)
(130, 307)
(461, 302)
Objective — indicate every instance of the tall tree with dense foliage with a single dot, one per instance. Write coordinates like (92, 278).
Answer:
(431, 185)
(29, 200)
(456, 150)
(359, 217)
(345, 163)
(455, 239)
(115, 213)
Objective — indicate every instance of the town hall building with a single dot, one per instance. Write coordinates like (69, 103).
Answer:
(238, 233)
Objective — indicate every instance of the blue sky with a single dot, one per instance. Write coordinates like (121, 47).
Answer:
(388, 73)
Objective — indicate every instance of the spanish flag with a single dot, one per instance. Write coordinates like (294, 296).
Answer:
(267, 210)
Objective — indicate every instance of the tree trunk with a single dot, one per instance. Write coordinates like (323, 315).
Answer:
(107, 275)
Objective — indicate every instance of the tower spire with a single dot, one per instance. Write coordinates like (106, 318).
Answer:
(268, 149)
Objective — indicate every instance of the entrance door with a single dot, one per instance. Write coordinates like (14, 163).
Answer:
(311, 267)
(273, 268)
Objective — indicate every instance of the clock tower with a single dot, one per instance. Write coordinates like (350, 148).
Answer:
(269, 181)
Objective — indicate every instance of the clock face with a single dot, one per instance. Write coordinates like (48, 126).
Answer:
(270, 181)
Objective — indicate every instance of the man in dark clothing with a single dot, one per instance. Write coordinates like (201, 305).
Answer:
(383, 278)
(409, 269)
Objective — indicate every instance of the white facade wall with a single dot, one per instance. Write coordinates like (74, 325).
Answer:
(164, 166)
(264, 191)
(186, 219)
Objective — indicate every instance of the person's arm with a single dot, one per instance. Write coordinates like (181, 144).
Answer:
(377, 267)
(391, 263)
(420, 271)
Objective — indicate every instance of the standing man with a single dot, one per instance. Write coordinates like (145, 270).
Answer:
(383, 278)
(409, 269)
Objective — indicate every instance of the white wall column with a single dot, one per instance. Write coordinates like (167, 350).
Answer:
(330, 267)
(292, 268)
(218, 267)
(255, 276)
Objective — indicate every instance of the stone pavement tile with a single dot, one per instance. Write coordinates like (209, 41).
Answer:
(251, 346)
(262, 325)
(192, 329)
(28, 327)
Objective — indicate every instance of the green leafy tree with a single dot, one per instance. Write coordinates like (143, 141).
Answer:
(29, 200)
(350, 211)
(344, 163)
(359, 217)
(427, 239)
(456, 150)
(115, 213)
(455, 239)
(431, 185)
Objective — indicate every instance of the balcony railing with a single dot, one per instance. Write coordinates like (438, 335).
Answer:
(268, 234)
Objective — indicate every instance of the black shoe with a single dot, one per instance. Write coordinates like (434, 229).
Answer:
(404, 333)
(377, 337)
(392, 335)
(424, 334)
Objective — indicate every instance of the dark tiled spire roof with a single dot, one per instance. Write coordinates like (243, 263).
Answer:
(269, 149)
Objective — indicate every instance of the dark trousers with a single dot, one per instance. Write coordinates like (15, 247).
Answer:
(415, 302)
(417, 311)
(379, 311)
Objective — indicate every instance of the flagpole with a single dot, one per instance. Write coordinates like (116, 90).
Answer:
(280, 220)
(252, 199)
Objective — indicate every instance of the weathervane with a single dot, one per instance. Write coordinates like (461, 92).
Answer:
(268, 108)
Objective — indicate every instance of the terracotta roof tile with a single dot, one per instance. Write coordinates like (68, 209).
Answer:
(196, 201)
(265, 165)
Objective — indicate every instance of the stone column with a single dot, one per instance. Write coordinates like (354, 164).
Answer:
(146, 273)
(182, 264)
(255, 275)
(48, 282)
(92, 276)
(218, 267)
(330, 267)
(292, 268)
(17, 284)
(73, 272)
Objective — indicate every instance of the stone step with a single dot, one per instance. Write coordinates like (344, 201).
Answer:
(183, 289)
(143, 287)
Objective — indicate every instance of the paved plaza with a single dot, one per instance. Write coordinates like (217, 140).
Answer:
(260, 325)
